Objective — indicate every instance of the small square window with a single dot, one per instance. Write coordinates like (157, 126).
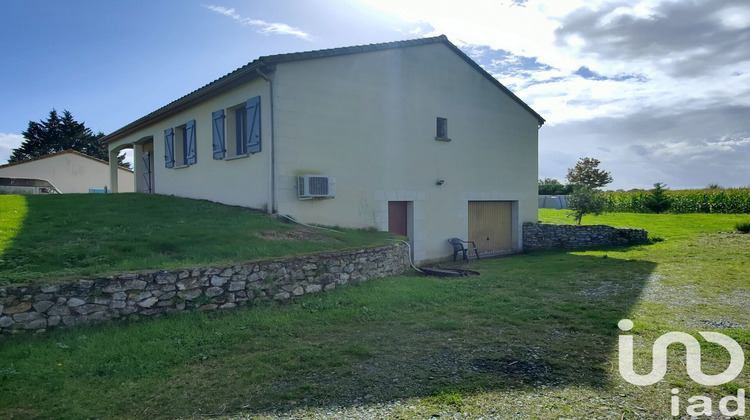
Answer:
(442, 129)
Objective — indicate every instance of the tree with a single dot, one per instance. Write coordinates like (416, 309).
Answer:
(586, 172)
(57, 134)
(584, 200)
(658, 201)
(551, 186)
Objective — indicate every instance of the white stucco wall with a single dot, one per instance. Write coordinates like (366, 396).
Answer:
(369, 120)
(242, 182)
(70, 173)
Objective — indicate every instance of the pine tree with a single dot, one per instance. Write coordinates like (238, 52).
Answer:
(658, 201)
(56, 134)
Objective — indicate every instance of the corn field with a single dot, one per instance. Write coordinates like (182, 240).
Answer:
(730, 200)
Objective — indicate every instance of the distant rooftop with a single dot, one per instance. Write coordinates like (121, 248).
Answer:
(62, 152)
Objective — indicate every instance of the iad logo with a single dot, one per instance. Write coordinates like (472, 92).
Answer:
(693, 366)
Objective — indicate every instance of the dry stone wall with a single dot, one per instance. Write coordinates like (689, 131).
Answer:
(549, 236)
(145, 294)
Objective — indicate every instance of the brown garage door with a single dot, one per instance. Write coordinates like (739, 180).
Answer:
(490, 226)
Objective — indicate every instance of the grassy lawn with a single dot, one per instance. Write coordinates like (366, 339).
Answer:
(533, 337)
(82, 235)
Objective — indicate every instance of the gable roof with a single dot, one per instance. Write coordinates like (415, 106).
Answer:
(63, 152)
(253, 69)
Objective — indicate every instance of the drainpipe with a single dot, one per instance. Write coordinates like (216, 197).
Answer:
(271, 157)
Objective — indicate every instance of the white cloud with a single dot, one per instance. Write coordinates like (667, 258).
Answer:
(602, 35)
(734, 17)
(8, 142)
(261, 26)
(666, 78)
(128, 154)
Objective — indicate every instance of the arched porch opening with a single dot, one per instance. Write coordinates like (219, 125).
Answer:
(113, 166)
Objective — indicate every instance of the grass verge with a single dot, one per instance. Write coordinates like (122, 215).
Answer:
(534, 336)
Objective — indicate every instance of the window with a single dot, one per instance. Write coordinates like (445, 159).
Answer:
(442, 129)
(242, 129)
(180, 146)
(234, 131)
(240, 117)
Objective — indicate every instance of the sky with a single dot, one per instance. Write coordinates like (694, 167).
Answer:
(657, 90)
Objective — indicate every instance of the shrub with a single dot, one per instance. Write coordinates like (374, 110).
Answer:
(743, 227)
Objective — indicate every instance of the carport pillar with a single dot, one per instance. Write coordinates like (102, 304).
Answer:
(113, 170)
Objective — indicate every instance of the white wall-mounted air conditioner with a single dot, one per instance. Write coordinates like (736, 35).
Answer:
(315, 186)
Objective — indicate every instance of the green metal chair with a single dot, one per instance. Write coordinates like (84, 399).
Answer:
(463, 247)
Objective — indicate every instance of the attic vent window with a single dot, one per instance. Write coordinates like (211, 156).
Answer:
(442, 130)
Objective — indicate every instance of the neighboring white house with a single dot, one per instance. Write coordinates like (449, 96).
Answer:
(70, 172)
(412, 137)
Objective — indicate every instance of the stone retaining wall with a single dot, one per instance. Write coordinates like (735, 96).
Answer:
(548, 236)
(39, 307)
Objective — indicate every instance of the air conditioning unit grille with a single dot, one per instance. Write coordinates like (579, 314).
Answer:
(318, 185)
(315, 186)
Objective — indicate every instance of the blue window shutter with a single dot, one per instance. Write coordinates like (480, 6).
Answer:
(169, 148)
(190, 149)
(253, 125)
(217, 118)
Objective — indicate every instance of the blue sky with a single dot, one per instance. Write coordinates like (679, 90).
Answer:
(658, 90)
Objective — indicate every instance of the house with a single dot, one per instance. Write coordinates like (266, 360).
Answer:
(70, 172)
(411, 137)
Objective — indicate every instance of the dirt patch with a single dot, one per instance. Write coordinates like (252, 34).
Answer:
(533, 370)
(299, 234)
(723, 324)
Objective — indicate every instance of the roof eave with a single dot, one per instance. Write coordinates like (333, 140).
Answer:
(249, 72)
(238, 77)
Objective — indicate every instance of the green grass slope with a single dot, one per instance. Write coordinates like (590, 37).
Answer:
(82, 235)
(535, 336)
